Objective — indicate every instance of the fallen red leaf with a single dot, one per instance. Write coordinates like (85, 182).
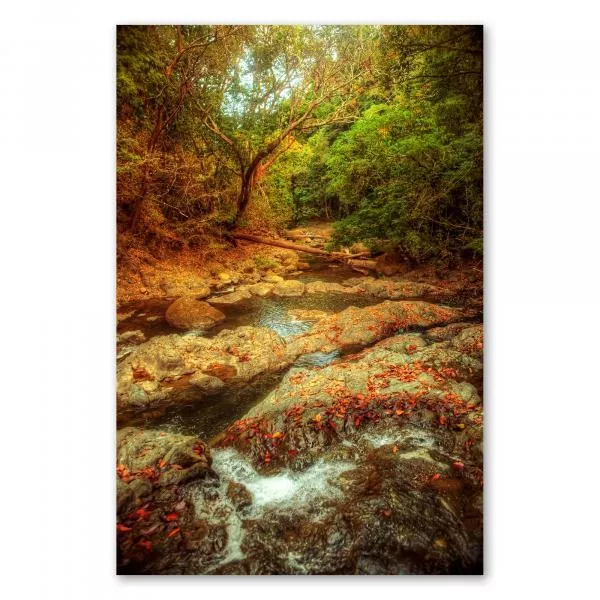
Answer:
(122, 528)
(141, 513)
(435, 477)
(174, 532)
(172, 517)
(146, 544)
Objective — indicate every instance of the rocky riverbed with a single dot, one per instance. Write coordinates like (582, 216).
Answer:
(318, 423)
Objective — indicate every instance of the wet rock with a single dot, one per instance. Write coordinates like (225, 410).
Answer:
(225, 277)
(239, 495)
(131, 337)
(123, 316)
(208, 384)
(251, 278)
(191, 286)
(155, 474)
(261, 289)
(191, 313)
(232, 298)
(356, 327)
(169, 369)
(327, 287)
(150, 459)
(402, 379)
(391, 288)
(440, 334)
(290, 287)
(271, 277)
(396, 507)
(470, 341)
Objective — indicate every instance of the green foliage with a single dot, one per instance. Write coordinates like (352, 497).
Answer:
(265, 262)
(409, 171)
(387, 134)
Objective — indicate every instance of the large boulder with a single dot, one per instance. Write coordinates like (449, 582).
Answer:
(271, 277)
(157, 472)
(398, 381)
(290, 287)
(150, 455)
(261, 289)
(190, 313)
(174, 368)
(358, 327)
(329, 287)
(190, 286)
(231, 298)
(391, 289)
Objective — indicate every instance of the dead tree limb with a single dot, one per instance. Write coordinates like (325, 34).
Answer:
(300, 248)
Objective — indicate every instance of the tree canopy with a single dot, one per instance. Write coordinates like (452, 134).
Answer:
(378, 127)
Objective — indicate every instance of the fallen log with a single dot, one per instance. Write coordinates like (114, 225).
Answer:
(305, 236)
(283, 244)
(361, 265)
(279, 243)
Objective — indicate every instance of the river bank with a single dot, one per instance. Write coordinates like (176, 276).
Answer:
(291, 416)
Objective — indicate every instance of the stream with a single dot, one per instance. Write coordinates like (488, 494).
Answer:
(350, 511)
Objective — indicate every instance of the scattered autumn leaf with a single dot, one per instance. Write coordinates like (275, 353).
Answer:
(146, 544)
(141, 514)
(171, 516)
(122, 528)
(174, 532)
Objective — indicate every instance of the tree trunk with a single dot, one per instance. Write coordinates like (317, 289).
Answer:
(370, 264)
(283, 244)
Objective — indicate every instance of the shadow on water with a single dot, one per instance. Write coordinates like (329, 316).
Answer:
(204, 417)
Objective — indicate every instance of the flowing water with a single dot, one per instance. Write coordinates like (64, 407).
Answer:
(330, 517)
(207, 417)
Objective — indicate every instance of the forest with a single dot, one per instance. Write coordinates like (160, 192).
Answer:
(376, 128)
(299, 299)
